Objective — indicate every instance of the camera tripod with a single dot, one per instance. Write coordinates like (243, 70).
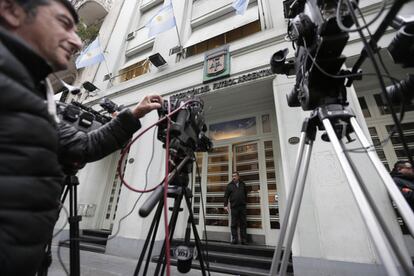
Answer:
(178, 190)
(339, 122)
(71, 182)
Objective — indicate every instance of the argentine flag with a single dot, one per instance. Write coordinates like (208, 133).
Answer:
(162, 21)
(90, 56)
(240, 6)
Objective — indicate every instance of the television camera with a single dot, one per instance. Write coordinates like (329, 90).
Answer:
(80, 116)
(319, 31)
(313, 29)
(187, 131)
(85, 118)
(186, 135)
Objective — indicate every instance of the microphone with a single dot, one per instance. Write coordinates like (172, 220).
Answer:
(184, 257)
(151, 201)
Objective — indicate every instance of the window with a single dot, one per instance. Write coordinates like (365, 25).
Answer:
(378, 147)
(133, 71)
(384, 108)
(408, 130)
(364, 107)
(380, 125)
(233, 129)
(266, 124)
(225, 38)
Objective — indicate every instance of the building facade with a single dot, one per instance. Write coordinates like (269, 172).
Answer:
(223, 58)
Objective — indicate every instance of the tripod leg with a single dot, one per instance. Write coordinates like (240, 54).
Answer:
(196, 236)
(296, 208)
(392, 189)
(171, 228)
(64, 194)
(398, 254)
(153, 228)
(363, 205)
(74, 232)
(278, 253)
(154, 234)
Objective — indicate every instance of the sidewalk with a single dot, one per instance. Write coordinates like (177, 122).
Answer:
(96, 264)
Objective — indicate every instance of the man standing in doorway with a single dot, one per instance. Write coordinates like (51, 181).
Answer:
(236, 193)
(403, 175)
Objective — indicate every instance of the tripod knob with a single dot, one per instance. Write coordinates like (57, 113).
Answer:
(325, 137)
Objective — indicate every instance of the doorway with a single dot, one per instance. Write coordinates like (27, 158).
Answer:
(254, 158)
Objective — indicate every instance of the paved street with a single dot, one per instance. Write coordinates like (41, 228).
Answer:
(95, 264)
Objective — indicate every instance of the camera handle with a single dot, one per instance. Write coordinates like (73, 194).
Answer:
(385, 244)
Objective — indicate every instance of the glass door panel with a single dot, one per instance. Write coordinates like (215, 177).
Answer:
(378, 147)
(197, 186)
(271, 186)
(408, 130)
(217, 179)
(246, 162)
(113, 200)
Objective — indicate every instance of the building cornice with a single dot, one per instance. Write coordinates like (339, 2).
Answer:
(267, 38)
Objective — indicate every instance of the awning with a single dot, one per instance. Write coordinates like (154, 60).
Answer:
(205, 32)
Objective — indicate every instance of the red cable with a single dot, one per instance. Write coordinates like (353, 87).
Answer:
(167, 165)
(167, 153)
(128, 146)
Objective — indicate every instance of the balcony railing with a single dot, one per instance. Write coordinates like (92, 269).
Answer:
(92, 11)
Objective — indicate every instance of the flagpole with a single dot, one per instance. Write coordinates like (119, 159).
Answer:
(176, 28)
(107, 69)
(106, 63)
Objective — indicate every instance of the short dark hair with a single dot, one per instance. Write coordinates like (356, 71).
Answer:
(399, 165)
(30, 6)
(236, 173)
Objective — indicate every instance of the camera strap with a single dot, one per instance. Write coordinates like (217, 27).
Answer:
(51, 105)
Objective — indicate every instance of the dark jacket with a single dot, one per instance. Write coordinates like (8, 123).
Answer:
(404, 181)
(32, 149)
(236, 195)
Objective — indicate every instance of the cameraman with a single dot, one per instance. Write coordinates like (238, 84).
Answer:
(38, 37)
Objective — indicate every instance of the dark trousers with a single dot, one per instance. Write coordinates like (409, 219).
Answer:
(238, 217)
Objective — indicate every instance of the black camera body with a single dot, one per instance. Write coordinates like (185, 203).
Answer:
(80, 116)
(110, 106)
(187, 131)
(317, 38)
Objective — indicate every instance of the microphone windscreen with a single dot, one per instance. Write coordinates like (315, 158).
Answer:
(184, 257)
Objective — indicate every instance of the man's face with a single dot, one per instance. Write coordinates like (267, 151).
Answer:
(52, 34)
(235, 177)
(406, 169)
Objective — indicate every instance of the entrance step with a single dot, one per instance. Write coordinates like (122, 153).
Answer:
(93, 240)
(244, 260)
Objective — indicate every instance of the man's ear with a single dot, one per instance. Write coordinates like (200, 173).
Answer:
(11, 14)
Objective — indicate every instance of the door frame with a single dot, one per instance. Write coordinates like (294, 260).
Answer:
(269, 234)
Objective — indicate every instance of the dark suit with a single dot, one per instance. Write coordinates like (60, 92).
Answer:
(237, 195)
(404, 181)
